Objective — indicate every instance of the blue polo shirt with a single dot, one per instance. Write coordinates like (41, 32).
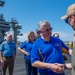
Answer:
(51, 51)
(7, 48)
(27, 45)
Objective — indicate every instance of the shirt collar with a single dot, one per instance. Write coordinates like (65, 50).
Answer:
(8, 41)
(44, 41)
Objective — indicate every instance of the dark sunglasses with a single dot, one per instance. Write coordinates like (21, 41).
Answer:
(48, 29)
(66, 20)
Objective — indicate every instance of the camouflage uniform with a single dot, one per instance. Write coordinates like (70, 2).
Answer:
(73, 57)
(71, 12)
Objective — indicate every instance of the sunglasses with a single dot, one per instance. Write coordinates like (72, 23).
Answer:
(49, 29)
(66, 20)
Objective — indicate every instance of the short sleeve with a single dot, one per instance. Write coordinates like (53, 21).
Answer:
(34, 53)
(23, 45)
(64, 45)
(1, 47)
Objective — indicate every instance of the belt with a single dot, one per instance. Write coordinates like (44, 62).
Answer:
(8, 56)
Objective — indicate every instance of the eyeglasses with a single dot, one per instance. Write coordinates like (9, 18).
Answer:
(49, 29)
(67, 20)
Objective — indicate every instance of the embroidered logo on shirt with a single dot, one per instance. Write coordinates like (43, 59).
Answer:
(56, 44)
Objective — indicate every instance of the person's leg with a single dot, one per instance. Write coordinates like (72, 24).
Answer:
(5, 65)
(0, 72)
(34, 70)
(11, 65)
(27, 66)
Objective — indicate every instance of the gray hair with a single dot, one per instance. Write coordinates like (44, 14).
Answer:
(42, 23)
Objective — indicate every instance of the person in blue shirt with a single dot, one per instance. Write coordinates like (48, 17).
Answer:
(7, 54)
(46, 53)
(26, 48)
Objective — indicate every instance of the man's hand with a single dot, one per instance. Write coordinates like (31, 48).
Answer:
(26, 53)
(68, 66)
(58, 68)
(1, 64)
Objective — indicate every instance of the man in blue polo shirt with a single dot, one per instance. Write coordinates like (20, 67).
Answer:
(7, 54)
(46, 53)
